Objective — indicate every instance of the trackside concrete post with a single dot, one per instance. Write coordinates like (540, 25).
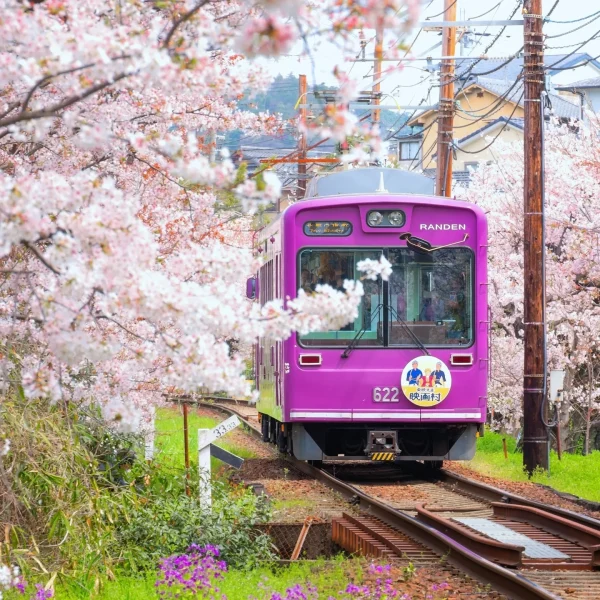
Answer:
(204, 439)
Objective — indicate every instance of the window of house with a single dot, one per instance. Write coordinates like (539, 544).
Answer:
(409, 150)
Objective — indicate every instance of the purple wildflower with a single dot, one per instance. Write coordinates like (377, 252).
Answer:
(192, 574)
(41, 593)
(20, 584)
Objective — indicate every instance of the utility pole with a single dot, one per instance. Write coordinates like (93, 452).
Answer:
(377, 74)
(535, 433)
(443, 176)
(302, 142)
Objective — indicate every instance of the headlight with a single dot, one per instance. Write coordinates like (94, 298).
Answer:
(396, 218)
(374, 218)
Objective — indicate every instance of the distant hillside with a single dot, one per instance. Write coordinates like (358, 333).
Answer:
(281, 98)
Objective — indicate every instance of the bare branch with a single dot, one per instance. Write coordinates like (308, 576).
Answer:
(40, 257)
(96, 162)
(51, 112)
(182, 19)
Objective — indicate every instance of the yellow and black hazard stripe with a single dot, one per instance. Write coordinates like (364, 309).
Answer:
(382, 456)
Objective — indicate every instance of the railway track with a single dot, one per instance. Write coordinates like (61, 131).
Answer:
(522, 548)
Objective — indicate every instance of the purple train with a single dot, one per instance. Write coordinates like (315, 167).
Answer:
(407, 380)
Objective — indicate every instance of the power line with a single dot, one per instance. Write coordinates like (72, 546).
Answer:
(573, 20)
(573, 51)
(487, 12)
(568, 45)
(583, 64)
(443, 12)
(551, 37)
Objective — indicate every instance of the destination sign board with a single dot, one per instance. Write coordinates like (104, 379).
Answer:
(327, 228)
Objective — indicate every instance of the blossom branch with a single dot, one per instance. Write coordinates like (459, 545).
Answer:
(51, 112)
(182, 19)
(40, 257)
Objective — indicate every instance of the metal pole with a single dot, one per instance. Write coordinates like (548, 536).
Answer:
(186, 449)
(535, 434)
(377, 74)
(443, 177)
(302, 142)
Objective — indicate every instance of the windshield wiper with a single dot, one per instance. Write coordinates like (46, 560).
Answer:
(412, 334)
(354, 341)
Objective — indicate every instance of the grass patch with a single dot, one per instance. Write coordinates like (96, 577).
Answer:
(169, 438)
(573, 474)
(330, 577)
(297, 503)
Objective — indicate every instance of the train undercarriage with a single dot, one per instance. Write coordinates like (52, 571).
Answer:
(372, 441)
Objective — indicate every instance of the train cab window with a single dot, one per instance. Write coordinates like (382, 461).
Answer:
(332, 267)
(432, 294)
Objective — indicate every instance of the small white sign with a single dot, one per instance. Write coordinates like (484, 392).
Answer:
(209, 436)
(205, 438)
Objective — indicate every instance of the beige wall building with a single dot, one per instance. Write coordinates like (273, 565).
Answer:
(489, 106)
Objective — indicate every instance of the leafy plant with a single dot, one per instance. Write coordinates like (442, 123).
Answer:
(170, 525)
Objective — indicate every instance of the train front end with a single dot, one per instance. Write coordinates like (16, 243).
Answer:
(407, 379)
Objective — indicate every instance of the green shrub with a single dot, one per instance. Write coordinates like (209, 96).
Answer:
(79, 503)
(170, 524)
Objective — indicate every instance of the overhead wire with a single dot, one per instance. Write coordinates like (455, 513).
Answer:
(577, 66)
(440, 14)
(487, 12)
(572, 20)
(563, 58)
(568, 45)
(552, 37)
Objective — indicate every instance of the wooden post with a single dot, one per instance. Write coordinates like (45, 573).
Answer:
(377, 74)
(535, 434)
(443, 176)
(186, 448)
(302, 142)
(505, 448)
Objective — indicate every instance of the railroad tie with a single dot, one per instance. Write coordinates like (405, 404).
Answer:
(353, 539)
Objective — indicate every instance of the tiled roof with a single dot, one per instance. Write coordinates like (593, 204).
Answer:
(512, 69)
(594, 82)
(561, 106)
(512, 91)
(518, 122)
(457, 176)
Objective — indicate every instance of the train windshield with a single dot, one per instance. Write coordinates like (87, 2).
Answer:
(429, 293)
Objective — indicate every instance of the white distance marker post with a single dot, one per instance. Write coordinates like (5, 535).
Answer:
(205, 438)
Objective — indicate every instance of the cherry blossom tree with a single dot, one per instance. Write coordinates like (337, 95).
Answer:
(572, 200)
(124, 239)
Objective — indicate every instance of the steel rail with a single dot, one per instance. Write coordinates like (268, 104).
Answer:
(511, 583)
(493, 494)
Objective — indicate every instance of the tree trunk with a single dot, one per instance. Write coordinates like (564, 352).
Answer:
(588, 414)
(564, 413)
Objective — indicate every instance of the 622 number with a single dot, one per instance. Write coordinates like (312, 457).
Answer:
(386, 394)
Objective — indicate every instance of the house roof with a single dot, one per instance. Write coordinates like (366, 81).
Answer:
(457, 176)
(510, 70)
(517, 123)
(512, 91)
(594, 82)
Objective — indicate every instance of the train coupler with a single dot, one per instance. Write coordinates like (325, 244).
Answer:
(382, 445)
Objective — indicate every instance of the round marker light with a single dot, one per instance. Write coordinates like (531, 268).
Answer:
(396, 218)
(374, 218)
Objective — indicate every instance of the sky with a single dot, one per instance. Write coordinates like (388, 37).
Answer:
(411, 85)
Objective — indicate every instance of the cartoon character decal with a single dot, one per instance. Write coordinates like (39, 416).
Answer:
(426, 381)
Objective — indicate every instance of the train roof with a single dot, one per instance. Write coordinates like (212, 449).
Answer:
(370, 180)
